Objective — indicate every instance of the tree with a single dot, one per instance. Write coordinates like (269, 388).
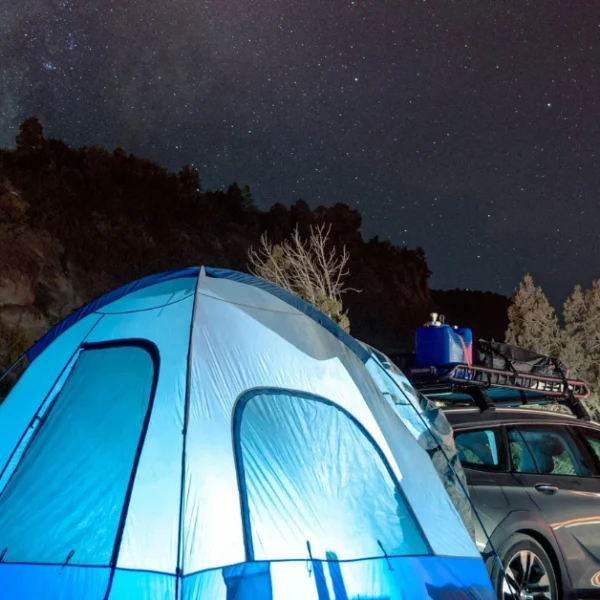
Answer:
(581, 340)
(533, 325)
(312, 269)
(532, 322)
(31, 135)
(573, 334)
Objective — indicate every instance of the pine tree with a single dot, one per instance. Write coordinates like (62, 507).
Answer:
(581, 340)
(573, 334)
(533, 323)
(31, 135)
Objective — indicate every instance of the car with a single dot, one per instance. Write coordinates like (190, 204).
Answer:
(534, 480)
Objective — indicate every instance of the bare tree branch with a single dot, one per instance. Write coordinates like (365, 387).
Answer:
(312, 269)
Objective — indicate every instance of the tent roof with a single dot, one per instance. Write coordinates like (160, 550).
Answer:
(217, 273)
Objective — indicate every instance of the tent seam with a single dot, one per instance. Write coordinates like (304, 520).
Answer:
(186, 413)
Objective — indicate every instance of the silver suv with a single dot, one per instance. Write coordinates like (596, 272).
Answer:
(534, 480)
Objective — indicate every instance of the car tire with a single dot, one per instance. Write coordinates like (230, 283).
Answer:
(528, 568)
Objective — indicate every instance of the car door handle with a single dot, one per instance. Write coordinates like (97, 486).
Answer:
(546, 488)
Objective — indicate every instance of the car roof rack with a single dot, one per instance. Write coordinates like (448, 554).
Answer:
(487, 388)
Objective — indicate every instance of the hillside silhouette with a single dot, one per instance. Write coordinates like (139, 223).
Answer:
(76, 222)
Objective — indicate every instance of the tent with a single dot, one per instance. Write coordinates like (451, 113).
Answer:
(202, 434)
(428, 425)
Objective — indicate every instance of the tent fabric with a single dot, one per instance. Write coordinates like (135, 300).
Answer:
(97, 417)
(42, 376)
(429, 426)
(286, 430)
(297, 303)
(152, 280)
(201, 436)
(126, 290)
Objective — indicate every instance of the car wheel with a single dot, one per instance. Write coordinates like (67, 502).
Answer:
(529, 574)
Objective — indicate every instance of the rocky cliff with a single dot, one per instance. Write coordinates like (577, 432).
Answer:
(35, 287)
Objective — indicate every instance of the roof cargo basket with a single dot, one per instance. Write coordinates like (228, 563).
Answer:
(487, 387)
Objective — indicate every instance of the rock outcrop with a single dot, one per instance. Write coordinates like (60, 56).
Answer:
(36, 290)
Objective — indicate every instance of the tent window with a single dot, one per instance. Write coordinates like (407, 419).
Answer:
(311, 476)
(64, 501)
(35, 424)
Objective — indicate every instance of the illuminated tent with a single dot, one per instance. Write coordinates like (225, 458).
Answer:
(428, 425)
(201, 434)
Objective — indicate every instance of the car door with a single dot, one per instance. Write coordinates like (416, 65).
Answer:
(558, 474)
(482, 457)
(591, 440)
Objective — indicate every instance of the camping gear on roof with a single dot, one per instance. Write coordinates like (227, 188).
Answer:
(505, 357)
(436, 343)
(500, 374)
(429, 426)
(202, 434)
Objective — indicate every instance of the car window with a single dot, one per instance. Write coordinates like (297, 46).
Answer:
(547, 450)
(477, 448)
(595, 444)
(593, 440)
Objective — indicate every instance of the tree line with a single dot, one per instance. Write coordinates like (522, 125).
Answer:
(118, 217)
(534, 325)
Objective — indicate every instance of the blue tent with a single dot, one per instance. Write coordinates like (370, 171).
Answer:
(202, 434)
(429, 426)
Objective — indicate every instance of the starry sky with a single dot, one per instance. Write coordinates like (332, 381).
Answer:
(470, 128)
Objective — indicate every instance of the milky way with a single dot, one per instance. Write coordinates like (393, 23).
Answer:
(469, 128)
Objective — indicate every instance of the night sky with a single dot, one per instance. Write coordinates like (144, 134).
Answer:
(468, 127)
